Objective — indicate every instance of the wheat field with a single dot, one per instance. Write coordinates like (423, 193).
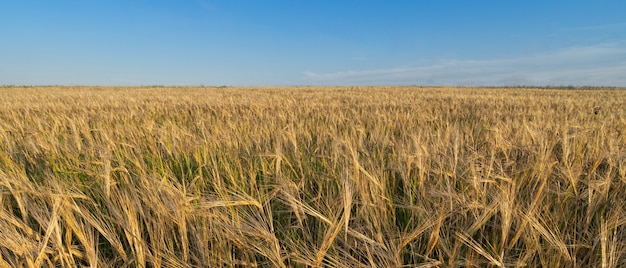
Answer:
(312, 177)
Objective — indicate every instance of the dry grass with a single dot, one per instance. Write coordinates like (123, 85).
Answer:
(284, 177)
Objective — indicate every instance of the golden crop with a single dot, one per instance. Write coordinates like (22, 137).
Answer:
(312, 176)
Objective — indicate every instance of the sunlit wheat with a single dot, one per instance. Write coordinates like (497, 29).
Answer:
(311, 177)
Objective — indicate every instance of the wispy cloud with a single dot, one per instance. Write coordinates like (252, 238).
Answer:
(611, 26)
(206, 5)
(601, 65)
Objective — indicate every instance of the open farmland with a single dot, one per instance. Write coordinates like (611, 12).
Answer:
(312, 176)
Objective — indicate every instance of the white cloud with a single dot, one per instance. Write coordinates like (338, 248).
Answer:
(611, 26)
(599, 65)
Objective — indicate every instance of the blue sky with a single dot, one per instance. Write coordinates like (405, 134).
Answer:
(323, 42)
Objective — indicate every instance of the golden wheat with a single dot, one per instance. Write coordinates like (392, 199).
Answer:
(312, 176)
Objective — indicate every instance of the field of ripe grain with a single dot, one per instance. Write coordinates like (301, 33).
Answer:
(308, 176)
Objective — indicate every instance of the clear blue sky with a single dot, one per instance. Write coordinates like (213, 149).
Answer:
(312, 42)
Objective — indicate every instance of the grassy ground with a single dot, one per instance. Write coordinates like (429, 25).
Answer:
(297, 177)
